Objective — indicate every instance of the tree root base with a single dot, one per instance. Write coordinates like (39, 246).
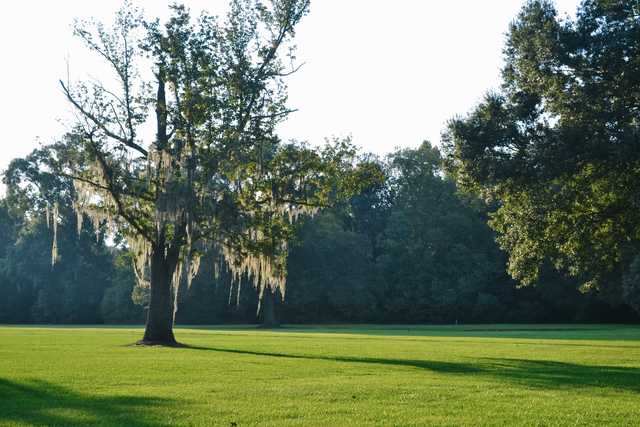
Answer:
(151, 343)
(269, 326)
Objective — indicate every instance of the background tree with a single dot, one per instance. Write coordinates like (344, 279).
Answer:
(438, 253)
(631, 285)
(558, 147)
(120, 303)
(12, 305)
(331, 272)
(70, 291)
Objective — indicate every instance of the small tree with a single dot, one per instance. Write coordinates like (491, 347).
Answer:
(216, 175)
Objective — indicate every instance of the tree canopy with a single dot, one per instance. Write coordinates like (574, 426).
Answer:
(215, 175)
(557, 147)
(410, 249)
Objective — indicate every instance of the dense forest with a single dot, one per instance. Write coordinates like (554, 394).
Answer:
(410, 250)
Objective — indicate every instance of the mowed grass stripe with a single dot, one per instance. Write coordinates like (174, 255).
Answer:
(588, 375)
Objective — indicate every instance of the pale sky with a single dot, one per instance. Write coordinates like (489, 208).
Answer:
(390, 73)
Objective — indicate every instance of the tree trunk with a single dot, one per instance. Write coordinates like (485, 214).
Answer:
(267, 311)
(159, 327)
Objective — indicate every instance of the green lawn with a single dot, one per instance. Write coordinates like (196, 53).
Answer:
(427, 375)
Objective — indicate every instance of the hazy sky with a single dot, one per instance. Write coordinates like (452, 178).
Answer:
(388, 72)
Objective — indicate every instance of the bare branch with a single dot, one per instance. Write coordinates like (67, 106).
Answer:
(260, 74)
(115, 114)
(274, 115)
(126, 141)
(288, 73)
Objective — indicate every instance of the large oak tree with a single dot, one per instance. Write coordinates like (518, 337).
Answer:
(215, 176)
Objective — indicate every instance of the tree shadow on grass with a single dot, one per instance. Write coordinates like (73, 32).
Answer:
(543, 374)
(408, 332)
(42, 403)
(423, 364)
(557, 375)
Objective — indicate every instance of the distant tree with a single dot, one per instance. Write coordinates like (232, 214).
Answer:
(118, 305)
(222, 300)
(71, 290)
(438, 253)
(267, 316)
(367, 212)
(10, 304)
(558, 147)
(333, 256)
(631, 285)
(331, 272)
(216, 173)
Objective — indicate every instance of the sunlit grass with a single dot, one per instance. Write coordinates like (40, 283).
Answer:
(402, 375)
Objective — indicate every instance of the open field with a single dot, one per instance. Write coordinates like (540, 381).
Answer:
(427, 375)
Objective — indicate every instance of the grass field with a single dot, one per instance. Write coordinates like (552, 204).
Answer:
(387, 376)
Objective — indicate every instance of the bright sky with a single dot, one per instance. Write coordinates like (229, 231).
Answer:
(389, 73)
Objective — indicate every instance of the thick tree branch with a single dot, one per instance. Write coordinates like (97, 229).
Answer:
(116, 196)
(102, 187)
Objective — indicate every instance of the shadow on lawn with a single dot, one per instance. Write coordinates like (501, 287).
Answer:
(532, 373)
(557, 375)
(42, 403)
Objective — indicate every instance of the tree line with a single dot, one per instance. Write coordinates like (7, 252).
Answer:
(412, 249)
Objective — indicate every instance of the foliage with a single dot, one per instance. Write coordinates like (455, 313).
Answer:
(34, 290)
(557, 147)
(331, 272)
(407, 249)
(438, 253)
(70, 292)
(631, 285)
(121, 302)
